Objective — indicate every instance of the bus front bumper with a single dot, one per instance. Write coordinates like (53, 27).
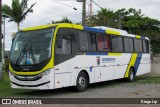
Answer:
(44, 83)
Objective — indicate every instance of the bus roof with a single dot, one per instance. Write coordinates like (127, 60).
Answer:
(39, 27)
(100, 29)
(122, 32)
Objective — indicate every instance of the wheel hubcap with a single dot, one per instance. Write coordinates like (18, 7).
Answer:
(131, 76)
(82, 82)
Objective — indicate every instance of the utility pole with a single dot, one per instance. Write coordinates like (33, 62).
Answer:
(83, 11)
(91, 8)
(119, 22)
(0, 36)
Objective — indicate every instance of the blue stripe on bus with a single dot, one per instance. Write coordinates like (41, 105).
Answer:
(94, 29)
(137, 63)
(96, 53)
(142, 37)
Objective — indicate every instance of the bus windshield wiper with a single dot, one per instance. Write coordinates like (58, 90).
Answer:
(30, 54)
(19, 57)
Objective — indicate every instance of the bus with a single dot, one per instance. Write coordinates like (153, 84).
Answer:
(62, 55)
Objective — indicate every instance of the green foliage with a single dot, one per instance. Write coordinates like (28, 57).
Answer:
(147, 79)
(0, 53)
(6, 90)
(131, 20)
(18, 11)
(5, 66)
(64, 20)
(136, 23)
(104, 17)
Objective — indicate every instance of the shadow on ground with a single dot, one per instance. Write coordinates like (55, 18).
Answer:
(67, 90)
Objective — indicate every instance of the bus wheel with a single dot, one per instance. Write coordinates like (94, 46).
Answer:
(82, 82)
(131, 75)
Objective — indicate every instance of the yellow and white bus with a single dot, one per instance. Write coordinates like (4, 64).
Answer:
(62, 55)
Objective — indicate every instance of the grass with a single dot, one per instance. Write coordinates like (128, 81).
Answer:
(148, 79)
(7, 91)
(138, 80)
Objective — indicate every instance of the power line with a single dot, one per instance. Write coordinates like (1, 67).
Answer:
(65, 4)
(50, 10)
(97, 4)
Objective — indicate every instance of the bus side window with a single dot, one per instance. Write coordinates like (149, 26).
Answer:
(103, 42)
(66, 44)
(131, 45)
(100, 41)
(64, 41)
(107, 43)
(138, 45)
(117, 44)
(92, 38)
(145, 46)
(128, 44)
(59, 44)
(59, 41)
(83, 41)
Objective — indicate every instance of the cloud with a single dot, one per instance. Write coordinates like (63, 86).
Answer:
(149, 7)
(47, 10)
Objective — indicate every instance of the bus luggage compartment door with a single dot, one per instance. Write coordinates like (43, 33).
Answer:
(97, 74)
(62, 80)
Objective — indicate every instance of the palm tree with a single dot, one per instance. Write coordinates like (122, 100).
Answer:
(107, 17)
(18, 11)
(104, 17)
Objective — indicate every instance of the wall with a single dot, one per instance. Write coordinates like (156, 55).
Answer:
(155, 67)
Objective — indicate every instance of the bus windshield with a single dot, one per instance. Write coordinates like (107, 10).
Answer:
(31, 47)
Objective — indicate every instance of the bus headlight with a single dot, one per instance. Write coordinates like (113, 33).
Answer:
(45, 73)
(11, 73)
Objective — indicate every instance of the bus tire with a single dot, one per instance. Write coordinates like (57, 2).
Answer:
(82, 82)
(131, 75)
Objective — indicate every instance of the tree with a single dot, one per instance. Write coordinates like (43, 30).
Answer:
(104, 17)
(18, 11)
(131, 20)
(64, 20)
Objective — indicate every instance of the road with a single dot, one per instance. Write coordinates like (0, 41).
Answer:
(109, 89)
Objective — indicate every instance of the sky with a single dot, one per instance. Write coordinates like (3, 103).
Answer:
(47, 10)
